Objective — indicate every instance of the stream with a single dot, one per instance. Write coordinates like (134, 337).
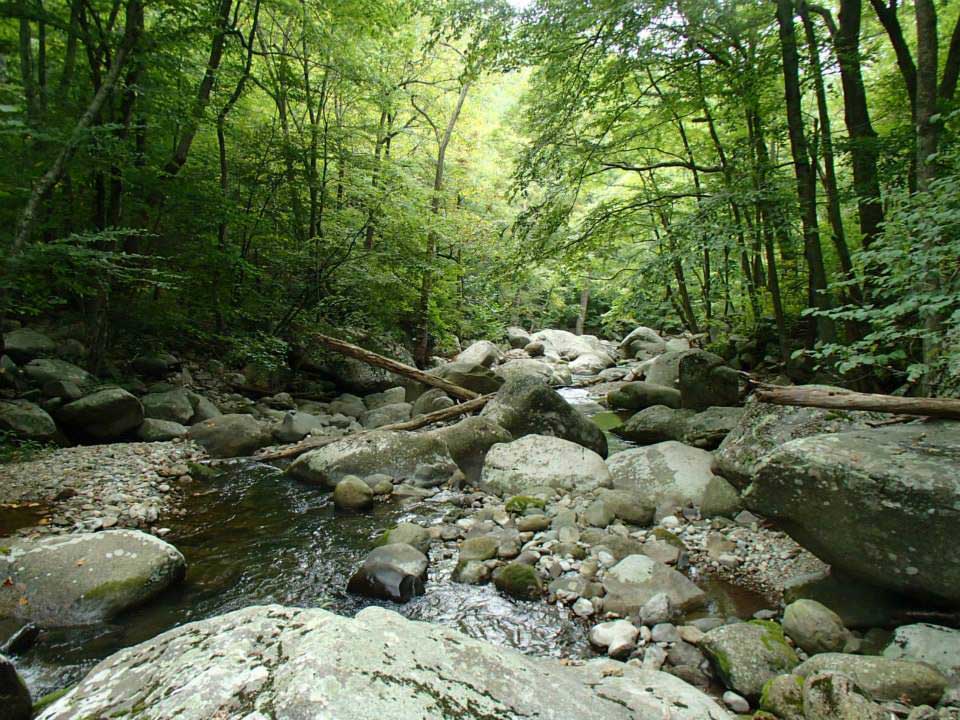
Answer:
(253, 536)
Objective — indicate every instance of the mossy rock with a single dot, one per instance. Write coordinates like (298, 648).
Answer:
(668, 537)
(49, 699)
(747, 655)
(783, 697)
(518, 580)
(518, 504)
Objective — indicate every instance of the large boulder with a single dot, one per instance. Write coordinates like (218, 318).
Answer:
(765, 427)
(565, 344)
(203, 408)
(14, 695)
(932, 644)
(704, 380)
(295, 426)
(469, 375)
(518, 337)
(834, 696)
(665, 368)
(814, 627)
(25, 420)
(525, 406)
(468, 442)
(24, 344)
(231, 435)
(707, 429)
(431, 401)
(397, 454)
(528, 368)
(391, 572)
(309, 663)
(882, 505)
(84, 578)
(640, 395)
(386, 415)
(408, 533)
(352, 495)
(537, 461)
(160, 430)
(172, 405)
(46, 370)
(155, 365)
(643, 343)
(357, 376)
(655, 424)
(590, 364)
(104, 415)
(747, 655)
(482, 352)
(883, 678)
(665, 475)
(633, 581)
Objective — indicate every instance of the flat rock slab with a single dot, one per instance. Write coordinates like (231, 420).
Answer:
(85, 578)
(536, 461)
(272, 661)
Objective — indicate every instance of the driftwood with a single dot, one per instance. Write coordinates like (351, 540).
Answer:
(850, 400)
(438, 416)
(372, 358)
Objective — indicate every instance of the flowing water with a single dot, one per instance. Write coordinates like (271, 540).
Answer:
(254, 536)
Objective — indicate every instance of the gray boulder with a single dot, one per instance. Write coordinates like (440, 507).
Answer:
(525, 406)
(310, 663)
(230, 435)
(397, 454)
(537, 461)
(643, 343)
(155, 365)
(720, 499)
(834, 696)
(704, 380)
(882, 505)
(469, 375)
(708, 428)
(173, 405)
(431, 401)
(105, 415)
(352, 495)
(814, 627)
(295, 426)
(747, 655)
(25, 420)
(655, 424)
(665, 475)
(883, 678)
(349, 405)
(14, 695)
(408, 533)
(468, 442)
(640, 395)
(931, 644)
(24, 344)
(386, 415)
(203, 408)
(391, 572)
(482, 352)
(590, 364)
(85, 578)
(665, 369)
(517, 337)
(391, 396)
(633, 581)
(152, 430)
(536, 369)
(45, 370)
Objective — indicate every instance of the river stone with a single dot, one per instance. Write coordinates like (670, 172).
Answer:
(352, 495)
(834, 696)
(536, 461)
(203, 408)
(391, 572)
(536, 369)
(26, 420)
(633, 581)
(517, 337)
(704, 380)
(783, 696)
(173, 405)
(642, 343)
(720, 499)
(640, 395)
(44, 370)
(155, 365)
(271, 661)
(628, 506)
(84, 578)
(105, 415)
(655, 424)
(617, 638)
(883, 678)
(431, 401)
(663, 475)
(230, 435)
(408, 533)
(469, 375)
(151, 430)
(391, 396)
(482, 352)
(295, 426)
(518, 580)
(932, 644)
(525, 406)
(747, 655)
(564, 343)
(814, 627)
(468, 442)
(708, 428)
(15, 700)
(24, 344)
(63, 389)
(665, 369)
(882, 505)
(590, 364)
(349, 405)
(397, 454)
(764, 427)
(386, 415)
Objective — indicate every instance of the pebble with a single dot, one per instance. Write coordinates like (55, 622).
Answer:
(735, 702)
(583, 608)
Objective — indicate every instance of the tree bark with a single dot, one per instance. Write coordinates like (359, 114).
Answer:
(849, 400)
(584, 305)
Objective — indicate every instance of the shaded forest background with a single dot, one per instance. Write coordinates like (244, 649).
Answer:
(225, 177)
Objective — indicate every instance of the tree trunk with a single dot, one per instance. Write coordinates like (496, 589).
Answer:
(849, 400)
(584, 304)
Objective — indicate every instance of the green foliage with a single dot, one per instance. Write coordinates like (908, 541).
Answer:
(17, 450)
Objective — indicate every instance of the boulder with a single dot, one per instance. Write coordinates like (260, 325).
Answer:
(431, 401)
(24, 344)
(536, 461)
(633, 581)
(590, 364)
(858, 604)
(14, 695)
(63, 389)
(764, 428)
(518, 580)
(883, 678)
(45, 370)
(704, 380)
(834, 696)
(931, 644)
(310, 663)
(230, 435)
(707, 429)
(564, 344)
(617, 638)
(295, 426)
(665, 475)
(391, 396)
(882, 505)
(391, 572)
(525, 406)
(151, 430)
(397, 454)
(814, 627)
(642, 343)
(640, 395)
(468, 442)
(105, 415)
(357, 376)
(472, 376)
(747, 655)
(517, 337)
(386, 415)
(173, 405)
(84, 578)
(352, 495)
(155, 365)
(482, 352)
(528, 368)
(655, 424)
(349, 405)
(25, 420)
(783, 696)
(665, 369)
(203, 408)
(720, 499)
(408, 533)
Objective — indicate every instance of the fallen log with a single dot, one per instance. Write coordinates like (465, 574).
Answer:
(372, 358)
(849, 400)
(418, 422)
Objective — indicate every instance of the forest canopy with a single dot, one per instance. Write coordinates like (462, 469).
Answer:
(228, 176)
